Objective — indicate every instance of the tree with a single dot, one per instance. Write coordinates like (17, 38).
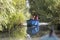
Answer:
(12, 14)
(47, 10)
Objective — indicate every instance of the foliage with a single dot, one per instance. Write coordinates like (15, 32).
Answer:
(12, 14)
(47, 10)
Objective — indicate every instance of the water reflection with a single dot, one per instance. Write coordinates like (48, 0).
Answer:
(50, 36)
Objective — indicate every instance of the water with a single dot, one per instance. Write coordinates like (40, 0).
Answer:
(46, 37)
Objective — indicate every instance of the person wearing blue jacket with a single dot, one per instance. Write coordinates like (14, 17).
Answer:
(33, 25)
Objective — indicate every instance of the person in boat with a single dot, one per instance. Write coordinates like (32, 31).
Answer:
(33, 25)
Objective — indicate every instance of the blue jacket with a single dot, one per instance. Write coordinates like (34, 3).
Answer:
(34, 26)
